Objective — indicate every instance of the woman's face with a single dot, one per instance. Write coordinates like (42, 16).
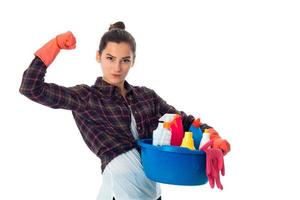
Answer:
(116, 60)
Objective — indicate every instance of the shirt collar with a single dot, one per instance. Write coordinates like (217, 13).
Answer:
(109, 89)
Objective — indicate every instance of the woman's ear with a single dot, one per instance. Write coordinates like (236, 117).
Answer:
(98, 56)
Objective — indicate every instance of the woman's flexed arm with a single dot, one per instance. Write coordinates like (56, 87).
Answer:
(50, 94)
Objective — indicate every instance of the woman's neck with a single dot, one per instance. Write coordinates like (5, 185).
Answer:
(120, 86)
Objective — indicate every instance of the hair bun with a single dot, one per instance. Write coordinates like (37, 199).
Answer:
(117, 25)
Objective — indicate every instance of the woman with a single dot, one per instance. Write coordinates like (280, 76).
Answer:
(111, 114)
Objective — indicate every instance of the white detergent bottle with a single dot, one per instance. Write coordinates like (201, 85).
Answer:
(205, 138)
(157, 134)
(165, 138)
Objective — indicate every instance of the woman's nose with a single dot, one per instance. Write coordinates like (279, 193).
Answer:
(117, 66)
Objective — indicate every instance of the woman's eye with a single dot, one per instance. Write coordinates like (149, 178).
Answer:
(126, 61)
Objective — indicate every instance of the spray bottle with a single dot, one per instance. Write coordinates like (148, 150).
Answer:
(177, 130)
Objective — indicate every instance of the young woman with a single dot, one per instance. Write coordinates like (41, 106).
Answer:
(111, 114)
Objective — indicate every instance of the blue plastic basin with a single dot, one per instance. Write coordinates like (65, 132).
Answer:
(172, 164)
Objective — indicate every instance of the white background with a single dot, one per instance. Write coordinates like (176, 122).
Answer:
(231, 63)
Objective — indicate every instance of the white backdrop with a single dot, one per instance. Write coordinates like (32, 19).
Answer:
(231, 63)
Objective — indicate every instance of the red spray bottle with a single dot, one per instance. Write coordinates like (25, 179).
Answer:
(176, 130)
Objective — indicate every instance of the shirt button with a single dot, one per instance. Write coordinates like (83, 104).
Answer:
(135, 112)
(139, 127)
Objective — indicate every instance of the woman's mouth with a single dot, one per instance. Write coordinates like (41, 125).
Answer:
(116, 75)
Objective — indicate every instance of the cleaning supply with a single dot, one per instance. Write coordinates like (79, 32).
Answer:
(49, 51)
(173, 164)
(162, 135)
(157, 134)
(166, 134)
(218, 142)
(177, 131)
(222, 144)
(197, 132)
(188, 141)
(214, 164)
(168, 117)
(205, 138)
(176, 127)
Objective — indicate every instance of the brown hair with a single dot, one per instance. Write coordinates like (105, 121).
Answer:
(117, 33)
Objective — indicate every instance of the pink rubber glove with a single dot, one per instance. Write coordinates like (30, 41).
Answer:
(214, 164)
(218, 143)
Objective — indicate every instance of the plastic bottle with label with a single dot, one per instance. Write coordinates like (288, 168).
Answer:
(205, 138)
(177, 130)
(197, 132)
(165, 138)
(157, 133)
(188, 141)
(162, 134)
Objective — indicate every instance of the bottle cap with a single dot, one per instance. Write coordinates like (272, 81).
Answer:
(196, 123)
(167, 124)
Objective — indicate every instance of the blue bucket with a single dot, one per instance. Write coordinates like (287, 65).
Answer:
(172, 164)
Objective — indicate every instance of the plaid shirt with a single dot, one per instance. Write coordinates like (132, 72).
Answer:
(101, 113)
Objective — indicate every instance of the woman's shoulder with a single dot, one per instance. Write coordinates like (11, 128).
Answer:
(144, 89)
